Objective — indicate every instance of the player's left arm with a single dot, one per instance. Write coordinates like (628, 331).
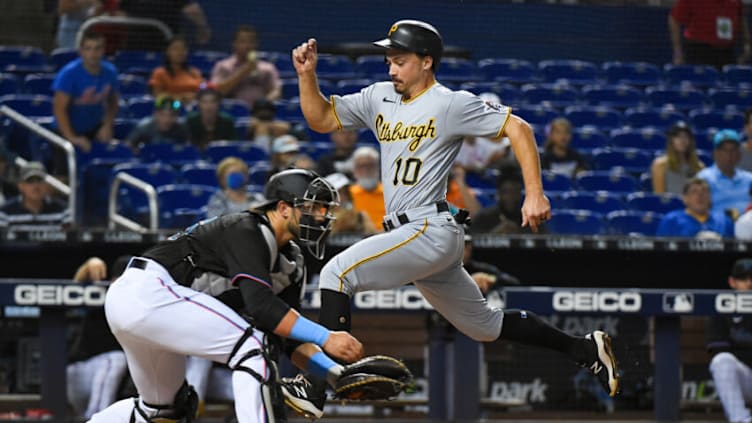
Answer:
(536, 207)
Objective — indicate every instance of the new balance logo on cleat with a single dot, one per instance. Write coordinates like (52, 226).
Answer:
(303, 397)
(603, 363)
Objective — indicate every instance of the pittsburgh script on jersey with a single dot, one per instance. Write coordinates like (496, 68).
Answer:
(402, 132)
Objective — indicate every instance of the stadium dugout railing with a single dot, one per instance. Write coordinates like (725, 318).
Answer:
(115, 218)
(126, 21)
(67, 189)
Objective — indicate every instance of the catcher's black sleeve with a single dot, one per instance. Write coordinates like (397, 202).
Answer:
(261, 305)
(718, 335)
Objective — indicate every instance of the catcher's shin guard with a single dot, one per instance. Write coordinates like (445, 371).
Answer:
(183, 409)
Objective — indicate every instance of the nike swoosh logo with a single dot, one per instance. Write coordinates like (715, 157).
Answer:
(386, 100)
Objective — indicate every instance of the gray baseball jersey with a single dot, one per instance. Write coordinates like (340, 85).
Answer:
(419, 138)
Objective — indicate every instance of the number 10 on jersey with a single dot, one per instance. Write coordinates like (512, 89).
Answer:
(409, 173)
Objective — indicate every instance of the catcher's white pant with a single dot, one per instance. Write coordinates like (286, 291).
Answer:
(733, 382)
(210, 382)
(159, 322)
(426, 251)
(93, 383)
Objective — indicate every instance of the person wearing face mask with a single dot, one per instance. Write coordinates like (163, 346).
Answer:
(233, 196)
(367, 193)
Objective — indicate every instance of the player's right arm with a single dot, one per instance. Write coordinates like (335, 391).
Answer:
(316, 108)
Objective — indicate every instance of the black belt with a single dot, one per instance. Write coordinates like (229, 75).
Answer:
(441, 206)
(138, 263)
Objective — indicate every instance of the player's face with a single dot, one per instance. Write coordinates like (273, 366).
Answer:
(406, 70)
(92, 52)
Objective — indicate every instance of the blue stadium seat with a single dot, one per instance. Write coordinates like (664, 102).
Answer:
(317, 149)
(508, 93)
(605, 181)
(705, 156)
(314, 136)
(95, 183)
(8, 84)
(481, 180)
(737, 74)
(350, 86)
(23, 59)
(630, 160)
(199, 173)
(241, 127)
(62, 56)
(205, 60)
(657, 203)
(132, 86)
(537, 115)
(600, 117)
(617, 96)
(704, 139)
(258, 174)
(556, 181)
(106, 151)
(631, 222)
(121, 128)
(367, 136)
(331, 66)
(290, 88)
(587, 139)
(174, 154)
(137, 61)
(181, 218)
(454, 69)
(632, 73)
(575, 222)
(681, 98)
(283, 63)
(235, 107)
(739, 98)
(648, 139)
(600, 201)
(290, 110)
(646, 182)
(704, 119)
(571, 71)
(30, 105)
(372, 66)
(507, 70)
(643, 117)
(486, 198)
(140, 107)
(39, 84)
(245, 150)
(701, 76)
(183, 196)
(133, 203)
(550, 94)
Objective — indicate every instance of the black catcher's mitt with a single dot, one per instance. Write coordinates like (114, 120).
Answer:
(378, 377)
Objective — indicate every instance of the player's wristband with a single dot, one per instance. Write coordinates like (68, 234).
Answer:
(319, 365)
(307, 331)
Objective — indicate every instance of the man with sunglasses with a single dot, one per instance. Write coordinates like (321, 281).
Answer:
(164, 126)
(185, 297)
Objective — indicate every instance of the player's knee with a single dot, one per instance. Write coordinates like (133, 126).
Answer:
(329, 278)
(483, 334)
(247, 351)
(722, 362)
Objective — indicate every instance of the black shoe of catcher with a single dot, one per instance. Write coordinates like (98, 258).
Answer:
(304, 397)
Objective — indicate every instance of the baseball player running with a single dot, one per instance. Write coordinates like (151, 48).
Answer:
(420, 125)
(159, 320)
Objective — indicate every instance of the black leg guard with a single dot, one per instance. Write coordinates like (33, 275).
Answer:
(527, 328)
(334, 313)
(183, 409)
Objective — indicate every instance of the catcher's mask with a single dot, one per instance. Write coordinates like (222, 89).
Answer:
(314, 197)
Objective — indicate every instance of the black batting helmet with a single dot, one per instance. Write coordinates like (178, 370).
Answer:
(415, 36)
(314, 196)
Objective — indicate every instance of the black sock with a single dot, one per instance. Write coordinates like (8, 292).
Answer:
(334, 313)
(528, 328)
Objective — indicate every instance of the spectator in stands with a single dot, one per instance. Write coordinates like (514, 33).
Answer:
(285, 150)
(243, 75)
(505, 217)
(746, 162)
(349, 220)
(86, 96)
(712, 28)
(233, 195)
(209, 123)
(671, 170)
(339, 161)
(73, 13)
(34, 207)
(478, 154)
(163, 126)
(176, 78)
(171, 12)
(731, 352)
(696, 219)
(558, 156)
(729, 185)
(459, 193)
(367, 193)
(264, 125)
(96, 362)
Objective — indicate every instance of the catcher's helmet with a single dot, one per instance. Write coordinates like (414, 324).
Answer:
(415, 36)
(314, 196)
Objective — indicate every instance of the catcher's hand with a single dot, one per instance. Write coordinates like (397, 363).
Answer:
(378, 377)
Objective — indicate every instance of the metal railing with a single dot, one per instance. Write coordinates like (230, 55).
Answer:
(69, 190)
(114, 218)
(125, 21)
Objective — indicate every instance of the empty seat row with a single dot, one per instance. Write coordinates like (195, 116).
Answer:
(586, 222)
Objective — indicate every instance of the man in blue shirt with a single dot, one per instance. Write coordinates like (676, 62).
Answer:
(86, 95)
(697, 218)
(729, 185)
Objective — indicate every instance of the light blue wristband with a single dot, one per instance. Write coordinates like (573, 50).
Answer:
(319, 364)
(307, 331)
